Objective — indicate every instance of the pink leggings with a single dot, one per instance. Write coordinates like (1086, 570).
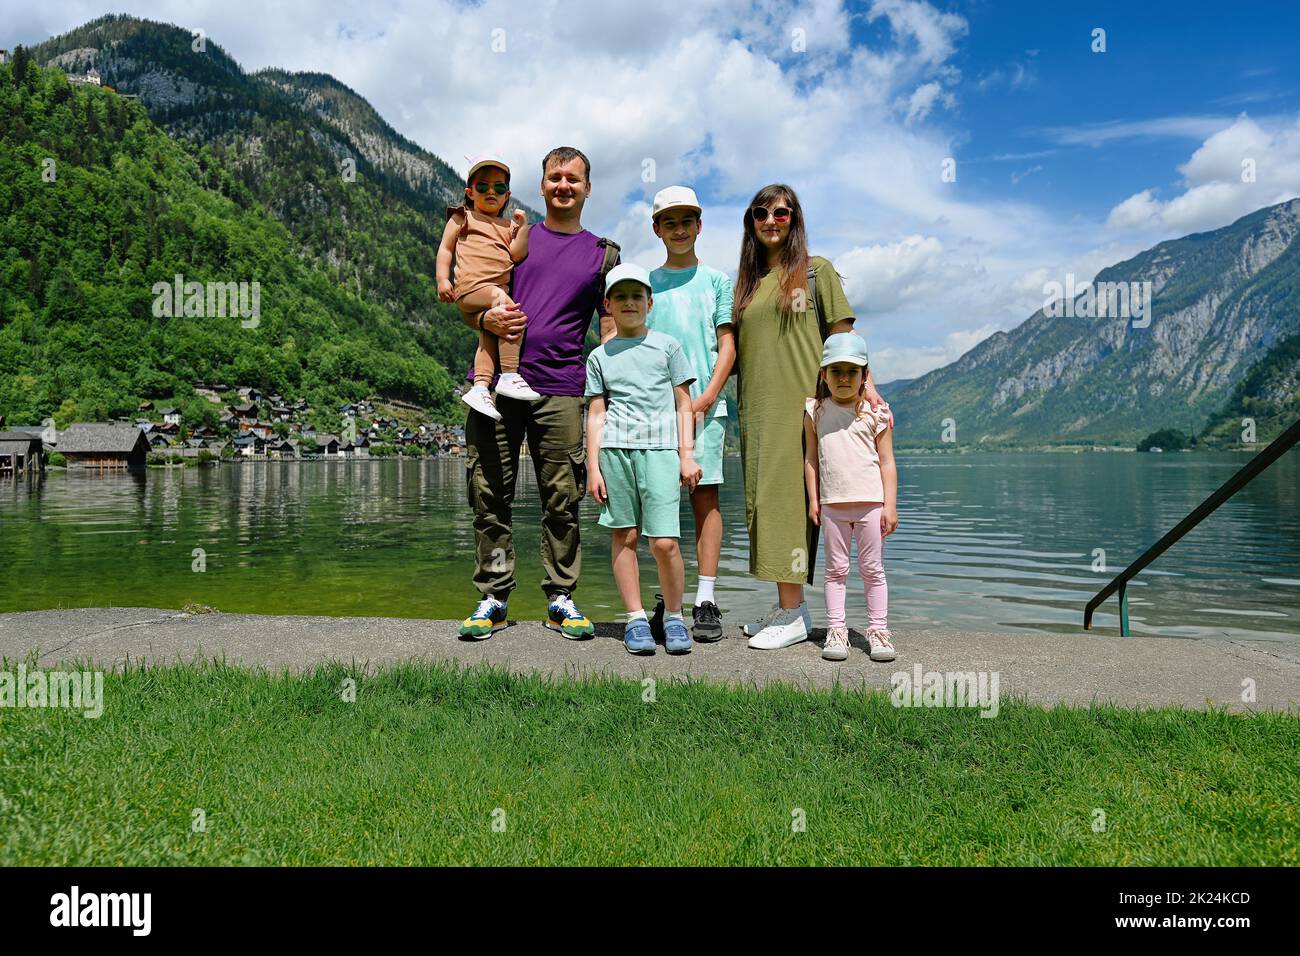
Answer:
(841, 525)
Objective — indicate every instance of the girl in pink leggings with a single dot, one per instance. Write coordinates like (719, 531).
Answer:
(852, 489)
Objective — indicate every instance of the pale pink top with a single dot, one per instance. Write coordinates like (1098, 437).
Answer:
(846, 451)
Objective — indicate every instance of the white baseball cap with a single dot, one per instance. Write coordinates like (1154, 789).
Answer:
(478, 162)
(675, 197)
(625, 271)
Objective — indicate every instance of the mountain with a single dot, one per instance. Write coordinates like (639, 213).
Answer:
(888, 390)
(100, 210)
(1269, 395)
(290, 139)
(1222, 301)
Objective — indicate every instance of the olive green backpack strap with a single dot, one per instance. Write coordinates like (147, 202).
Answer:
(611, 257)
(812, 298)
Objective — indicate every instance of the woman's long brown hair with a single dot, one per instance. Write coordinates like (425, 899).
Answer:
(793, 261)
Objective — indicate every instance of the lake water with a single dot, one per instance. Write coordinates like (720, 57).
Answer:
(988, 541)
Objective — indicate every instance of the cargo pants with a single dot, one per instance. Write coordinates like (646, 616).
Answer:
(553, 427)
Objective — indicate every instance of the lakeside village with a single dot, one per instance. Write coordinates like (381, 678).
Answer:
(252, 427)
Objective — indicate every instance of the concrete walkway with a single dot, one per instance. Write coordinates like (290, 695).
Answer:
(1043, 668)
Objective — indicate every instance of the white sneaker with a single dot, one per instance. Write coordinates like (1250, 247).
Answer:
(480, 399)
(837, 644)
(512, 385)
(786, 628)
(753, 627)
(881, 643)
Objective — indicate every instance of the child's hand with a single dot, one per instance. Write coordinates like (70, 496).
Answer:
(520, 218)
(815, 513)
(691, 472)
(445, 291)
(596, 485)
(888, 520)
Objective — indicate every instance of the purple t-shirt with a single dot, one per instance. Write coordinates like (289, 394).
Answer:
(558, 288)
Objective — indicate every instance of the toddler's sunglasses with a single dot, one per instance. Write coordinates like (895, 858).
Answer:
(779, 214)
(499, 188)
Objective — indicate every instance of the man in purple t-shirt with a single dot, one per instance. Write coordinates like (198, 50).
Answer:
(558, 289)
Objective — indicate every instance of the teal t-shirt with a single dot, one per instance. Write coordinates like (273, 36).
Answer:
(637, 377)
(690, 304)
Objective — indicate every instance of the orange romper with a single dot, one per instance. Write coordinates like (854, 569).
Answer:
(482, 252)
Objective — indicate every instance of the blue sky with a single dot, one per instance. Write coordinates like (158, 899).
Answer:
(1066, 160)
(1163, 60)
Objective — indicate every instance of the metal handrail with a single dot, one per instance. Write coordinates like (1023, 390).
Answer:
(1278, 447)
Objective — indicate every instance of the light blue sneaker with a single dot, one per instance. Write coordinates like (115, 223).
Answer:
(677, 640)
(637, 637)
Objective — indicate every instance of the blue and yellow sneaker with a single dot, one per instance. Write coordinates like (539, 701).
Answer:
(488, 617)
(563, 616)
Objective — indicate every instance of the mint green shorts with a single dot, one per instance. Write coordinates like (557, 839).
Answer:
(709, 442)
(644, 487)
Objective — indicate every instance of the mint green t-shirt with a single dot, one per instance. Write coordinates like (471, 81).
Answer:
(637, 377)
(690, 304)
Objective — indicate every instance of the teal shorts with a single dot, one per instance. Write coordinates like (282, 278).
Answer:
(645, 490)
(708, 449)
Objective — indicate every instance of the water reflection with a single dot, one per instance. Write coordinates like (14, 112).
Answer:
(986, 542)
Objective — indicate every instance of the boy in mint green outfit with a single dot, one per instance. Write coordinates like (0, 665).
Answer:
(639, 441)
(692, 303)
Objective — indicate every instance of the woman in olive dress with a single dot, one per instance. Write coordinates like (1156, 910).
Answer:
(780, 328)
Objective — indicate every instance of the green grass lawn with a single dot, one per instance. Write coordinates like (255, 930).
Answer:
(419, 768)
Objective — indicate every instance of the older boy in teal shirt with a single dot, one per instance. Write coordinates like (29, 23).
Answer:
(639, 441)
(692, 303)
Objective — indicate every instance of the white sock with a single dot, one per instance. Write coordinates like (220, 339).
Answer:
(670, 614)
(508, 375)
(480, 386)
(636, 615)
(705, 590)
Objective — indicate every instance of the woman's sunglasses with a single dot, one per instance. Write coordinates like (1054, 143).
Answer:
(779, 214)
(499, 188)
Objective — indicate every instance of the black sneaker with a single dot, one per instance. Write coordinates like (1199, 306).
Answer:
(657, 620)
(708, 623)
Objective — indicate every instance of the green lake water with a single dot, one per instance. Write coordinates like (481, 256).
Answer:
(988, 541)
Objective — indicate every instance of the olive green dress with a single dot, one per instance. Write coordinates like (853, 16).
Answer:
(778, 358)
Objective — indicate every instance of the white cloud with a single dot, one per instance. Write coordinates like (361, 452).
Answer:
(913, 272)
(1164, 127)
(1238, 169)
(1017, 177)
(933, 32)
(922, 100)
(891, 363)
